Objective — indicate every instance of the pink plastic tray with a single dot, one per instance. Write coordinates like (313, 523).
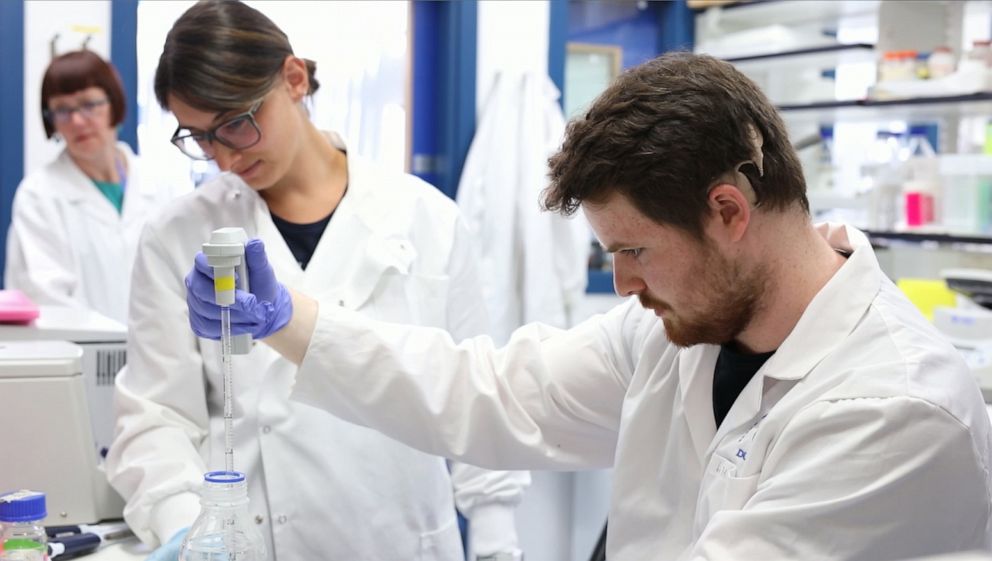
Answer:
(16, 307)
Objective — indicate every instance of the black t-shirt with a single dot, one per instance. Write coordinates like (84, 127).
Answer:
(302, 238)
(733, 371)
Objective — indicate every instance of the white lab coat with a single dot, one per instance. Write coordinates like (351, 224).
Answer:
(534, 264)
(67, 244)
(325, 489)
(863, 437)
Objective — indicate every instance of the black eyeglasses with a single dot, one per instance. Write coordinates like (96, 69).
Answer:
(87, 109)
(237, 133)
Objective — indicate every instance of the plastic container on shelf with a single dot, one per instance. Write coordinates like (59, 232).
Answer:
(921, 67)
(920, 191)
(885, 173)
(981, 50)
(825, 164)
(22, 533)
(941, 62)
(223, 530)
(966, 206)
(895, 66)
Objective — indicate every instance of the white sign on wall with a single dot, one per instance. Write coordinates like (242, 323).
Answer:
(74, 23)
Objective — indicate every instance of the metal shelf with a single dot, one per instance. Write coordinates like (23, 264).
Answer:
(745, 15)
(921, 108)
(942, 238)
(830, 54)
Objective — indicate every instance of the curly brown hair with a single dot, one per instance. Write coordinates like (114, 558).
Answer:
(663, 132)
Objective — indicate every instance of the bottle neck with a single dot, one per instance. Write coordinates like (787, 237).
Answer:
(224, 495)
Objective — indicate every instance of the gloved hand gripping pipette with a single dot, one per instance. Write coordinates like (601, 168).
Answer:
(225, 253)
(223, 521)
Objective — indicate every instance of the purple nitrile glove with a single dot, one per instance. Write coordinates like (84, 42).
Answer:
(261, 312)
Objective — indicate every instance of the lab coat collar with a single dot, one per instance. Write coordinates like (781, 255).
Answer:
(828, 319)
(696, 381)
(352, 253)
(79, 189)
(835, 310)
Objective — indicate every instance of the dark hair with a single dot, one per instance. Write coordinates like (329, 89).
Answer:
(663, 132)
(78, 70)
(222, 55)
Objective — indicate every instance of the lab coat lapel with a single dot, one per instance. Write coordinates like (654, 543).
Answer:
(139, 193)
(696, 381)
(835, 310)
(356, 249)
(81, 193)
(827, 321)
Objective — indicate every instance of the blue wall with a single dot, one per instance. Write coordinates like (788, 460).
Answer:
(11, 111)
(443, 112)
(124, 56)
(622, 24)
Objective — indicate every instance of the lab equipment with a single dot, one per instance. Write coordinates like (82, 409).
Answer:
(22, 537)
(104, 344)
(226, 254)
(261, 312)
(967, 192)
(223, 530)
(968, 326)
(76, 544)
(79, 539)
(48, 440)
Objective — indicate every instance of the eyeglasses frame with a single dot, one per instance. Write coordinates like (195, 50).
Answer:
(211, 135)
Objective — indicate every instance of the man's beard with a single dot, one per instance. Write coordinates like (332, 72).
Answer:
(729, 296)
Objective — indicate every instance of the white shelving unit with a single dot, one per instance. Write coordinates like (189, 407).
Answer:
(797, 51)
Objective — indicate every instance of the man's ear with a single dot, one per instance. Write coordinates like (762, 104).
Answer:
(729, 213)
(296, 77)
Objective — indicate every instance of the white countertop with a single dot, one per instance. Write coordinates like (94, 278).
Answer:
(124, 550)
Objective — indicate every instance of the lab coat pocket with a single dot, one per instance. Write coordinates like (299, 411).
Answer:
(443, 544)
(723, 489)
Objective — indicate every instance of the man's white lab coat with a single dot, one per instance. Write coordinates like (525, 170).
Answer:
(67, 244)
(321, 488)
(863, 437)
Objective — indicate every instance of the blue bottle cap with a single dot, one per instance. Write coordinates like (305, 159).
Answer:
(224, 477)
(22, 506)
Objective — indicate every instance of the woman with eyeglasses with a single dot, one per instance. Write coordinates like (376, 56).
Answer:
(75, 223)
(381, 242)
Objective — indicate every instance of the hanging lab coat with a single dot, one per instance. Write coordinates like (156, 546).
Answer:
(67, 244)
(534, 264)
(864, 437)
(319, 487)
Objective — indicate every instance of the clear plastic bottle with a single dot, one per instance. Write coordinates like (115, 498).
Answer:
(223, 531)
(941, 62)
(886, 172)
(826, 168)
(22, 534)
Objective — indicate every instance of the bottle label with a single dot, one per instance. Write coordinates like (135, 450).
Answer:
(20, 549)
